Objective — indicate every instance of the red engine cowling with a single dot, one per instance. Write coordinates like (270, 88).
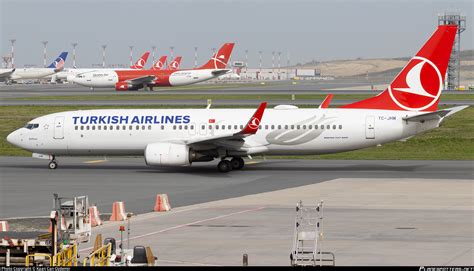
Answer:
(124, 86)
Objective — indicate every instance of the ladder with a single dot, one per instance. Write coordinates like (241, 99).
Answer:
(308, 235)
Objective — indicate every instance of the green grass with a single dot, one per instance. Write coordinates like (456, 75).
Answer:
(454, 140)
(263, 97)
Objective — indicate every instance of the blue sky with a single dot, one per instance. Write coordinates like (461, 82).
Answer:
(306, 30)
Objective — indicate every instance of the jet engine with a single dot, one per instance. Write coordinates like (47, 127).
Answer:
(125, 86)
(173, 154)
(167, 154)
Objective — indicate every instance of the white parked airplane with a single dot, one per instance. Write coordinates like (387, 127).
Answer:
(9, 75)
(179, 137)
(70, 73)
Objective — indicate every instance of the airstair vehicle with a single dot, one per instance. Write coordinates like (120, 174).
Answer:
(308, 237)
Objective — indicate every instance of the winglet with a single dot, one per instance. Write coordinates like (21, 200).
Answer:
(252, 125)
(327, 100)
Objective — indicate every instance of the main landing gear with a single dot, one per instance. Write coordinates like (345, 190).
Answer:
(53, 164)
(235, 163)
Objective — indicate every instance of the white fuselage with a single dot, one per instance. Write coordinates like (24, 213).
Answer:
(282, 131)
(29, 73)
(69, 73)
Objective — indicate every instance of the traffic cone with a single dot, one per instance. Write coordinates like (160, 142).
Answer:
(4, 226)
(94, 215)
(162, 203)
(118, 211)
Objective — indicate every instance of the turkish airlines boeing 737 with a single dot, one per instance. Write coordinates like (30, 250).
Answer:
(179, 137)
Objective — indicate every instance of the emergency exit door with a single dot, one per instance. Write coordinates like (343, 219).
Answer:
(370, 127)
(59, 128)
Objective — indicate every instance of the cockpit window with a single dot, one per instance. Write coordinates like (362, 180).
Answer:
(31, 126)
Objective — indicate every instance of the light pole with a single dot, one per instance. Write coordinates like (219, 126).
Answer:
(246, 63)
(260, 64)
(44, 52)
(273, 65)
(172, 52)
(13, 52)
(131, 54)
(74, 44)
(153, 53)
(279, 66)
(103, 55)
(195, 57)
(287, 65)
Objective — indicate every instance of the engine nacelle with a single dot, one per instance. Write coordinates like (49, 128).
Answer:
(125, 86)
(167, 154)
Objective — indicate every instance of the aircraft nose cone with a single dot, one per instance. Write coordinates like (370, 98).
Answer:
(13, 138)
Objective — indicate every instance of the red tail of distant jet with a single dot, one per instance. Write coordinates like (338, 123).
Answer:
(418, 86)
(219, 60)
(174, 65)
(158, 65)
(141, 62)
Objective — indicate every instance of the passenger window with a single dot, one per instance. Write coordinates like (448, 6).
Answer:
(143, 127)
(75, 127)
(210, 127)
(292, 127)
(99, 127)
(241, 127)
(310, 127)
(217, 127)
(130, 127)
(316, 127)
(111, 127)
(162, 127)
(137, 127)
(279, 127)
(192, 127)
(149, 127)
(93, 127)
(180, 127)
(223, 127)
(236, 127)
(203, 127)
(340, 127)
(328, 127)
(322, 127)
(229, 127)
(286, 127)
(304, 127)
(174, 127)
(298, 127)
(260, 127)
(87, 127)
(118, 127)
(266, 127)
(334, 127)
(273, 127)
(105, 127)
(124, 127)
(185, 127)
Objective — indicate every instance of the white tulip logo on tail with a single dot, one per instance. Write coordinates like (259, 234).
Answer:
(253, 124)
(418, 86)
(141, 63)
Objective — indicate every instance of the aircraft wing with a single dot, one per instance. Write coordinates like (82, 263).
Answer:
(437, 115)
(250, 128)
(142, 80)
(5, 75)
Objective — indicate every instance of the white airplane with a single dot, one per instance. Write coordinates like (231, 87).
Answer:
(179, 137)
(9, 75)
(69, 73)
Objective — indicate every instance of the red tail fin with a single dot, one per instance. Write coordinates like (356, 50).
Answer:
(418, 86)
(141, 62)
(158, 65)
(174, 65)
(220, 59)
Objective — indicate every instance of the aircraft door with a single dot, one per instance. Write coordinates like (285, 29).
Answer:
(203, 129)
(59, 128)
(370, 127)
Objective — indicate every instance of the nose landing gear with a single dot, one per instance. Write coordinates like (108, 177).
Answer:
(53, 164)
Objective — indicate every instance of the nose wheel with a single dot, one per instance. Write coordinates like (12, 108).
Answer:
(53, 165)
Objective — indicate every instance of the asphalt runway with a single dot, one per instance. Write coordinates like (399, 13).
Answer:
(27, 185)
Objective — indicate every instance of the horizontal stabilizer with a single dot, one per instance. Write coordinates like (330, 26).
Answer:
(219, 72)
(437, 115)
